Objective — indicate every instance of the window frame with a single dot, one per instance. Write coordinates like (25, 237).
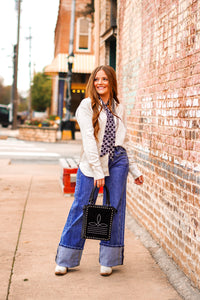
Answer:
(78, 35)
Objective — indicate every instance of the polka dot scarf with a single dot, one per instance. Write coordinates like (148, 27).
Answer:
(109, 134)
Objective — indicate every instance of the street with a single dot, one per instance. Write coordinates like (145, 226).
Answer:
(19, 151)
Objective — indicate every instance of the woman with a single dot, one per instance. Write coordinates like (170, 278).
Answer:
(103, 161)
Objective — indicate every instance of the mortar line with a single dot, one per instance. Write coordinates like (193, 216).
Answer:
(18, 238)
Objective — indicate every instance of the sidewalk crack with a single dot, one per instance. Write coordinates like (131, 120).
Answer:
(18, 238)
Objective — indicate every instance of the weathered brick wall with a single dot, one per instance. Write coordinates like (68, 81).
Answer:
(159, 81)
(104, 15)
(62, 30)
(105, 7)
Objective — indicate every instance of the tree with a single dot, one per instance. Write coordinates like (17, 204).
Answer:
(23, 104)
(41, 92)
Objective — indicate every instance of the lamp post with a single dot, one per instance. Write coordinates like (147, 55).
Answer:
(70, 61)
(66, 122)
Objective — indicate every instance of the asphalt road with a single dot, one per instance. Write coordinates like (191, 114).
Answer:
(19, 151)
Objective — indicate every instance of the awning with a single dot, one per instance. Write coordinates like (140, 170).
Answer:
(83, 63)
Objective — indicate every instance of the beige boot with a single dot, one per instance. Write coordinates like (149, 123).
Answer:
(105, 271)
(59, 270)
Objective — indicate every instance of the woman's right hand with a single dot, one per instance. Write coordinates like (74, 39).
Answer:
(99, 182)
(139, 180)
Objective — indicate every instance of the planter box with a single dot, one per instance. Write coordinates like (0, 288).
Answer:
(39, 134)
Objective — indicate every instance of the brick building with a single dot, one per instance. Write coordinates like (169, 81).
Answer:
(158, 69)
(84, 58)
(106, 32)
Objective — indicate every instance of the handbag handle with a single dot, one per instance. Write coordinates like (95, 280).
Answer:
(91, 199)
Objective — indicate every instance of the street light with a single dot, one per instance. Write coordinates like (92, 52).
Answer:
(66, 123)
(70, 61)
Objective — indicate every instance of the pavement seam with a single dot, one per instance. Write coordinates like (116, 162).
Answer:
(181, 283)
(18, 238)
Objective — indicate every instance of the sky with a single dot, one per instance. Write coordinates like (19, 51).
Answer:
(41, 17)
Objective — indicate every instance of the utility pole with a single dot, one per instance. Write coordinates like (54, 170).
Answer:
(30, 47)
(13, 83)
(15, 92)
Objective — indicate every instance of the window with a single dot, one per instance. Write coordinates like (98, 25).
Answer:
(83, 36)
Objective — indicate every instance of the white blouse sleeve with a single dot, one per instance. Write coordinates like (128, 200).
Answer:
(84, 115)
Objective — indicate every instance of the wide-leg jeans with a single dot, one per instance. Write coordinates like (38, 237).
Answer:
(71, 244)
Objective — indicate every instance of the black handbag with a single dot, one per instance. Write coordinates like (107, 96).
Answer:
(97, 219)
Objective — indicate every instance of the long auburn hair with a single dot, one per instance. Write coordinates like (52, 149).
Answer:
(92, 93)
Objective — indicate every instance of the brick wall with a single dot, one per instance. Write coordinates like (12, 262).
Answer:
(158, 69)
(104, 15)
(105, 7)
(62, 30)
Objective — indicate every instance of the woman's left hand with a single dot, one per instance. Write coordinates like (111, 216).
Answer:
(139, 180)
(99, 182)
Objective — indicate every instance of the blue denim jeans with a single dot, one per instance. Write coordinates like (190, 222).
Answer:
(71, 244)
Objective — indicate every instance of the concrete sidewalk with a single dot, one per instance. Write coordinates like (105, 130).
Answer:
(33, 212)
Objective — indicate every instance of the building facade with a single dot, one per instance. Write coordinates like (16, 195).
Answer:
(83, 50)
(106, 32)
(158, 62)
(158, 70)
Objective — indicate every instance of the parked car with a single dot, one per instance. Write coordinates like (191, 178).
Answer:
(6, 116)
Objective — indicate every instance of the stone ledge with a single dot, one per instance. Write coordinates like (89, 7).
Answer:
(39, 134)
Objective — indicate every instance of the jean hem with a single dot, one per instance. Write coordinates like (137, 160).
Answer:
(111, 256)
(68, 257)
